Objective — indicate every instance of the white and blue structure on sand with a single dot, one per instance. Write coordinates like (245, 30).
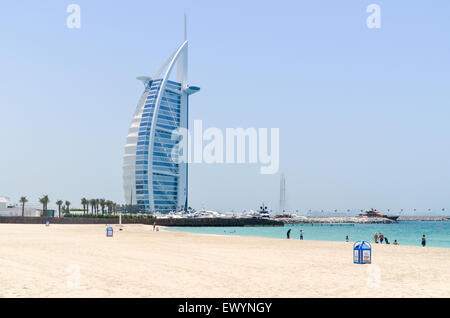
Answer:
(152, 180)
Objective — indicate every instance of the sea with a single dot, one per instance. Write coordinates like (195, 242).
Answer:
(405, 232)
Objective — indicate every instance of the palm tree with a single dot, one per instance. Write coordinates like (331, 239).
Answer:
(92, 203)
(59, 203)
(23, 200)
(109, 205)
(85, 204)
(44, 200)
(68, 206)
(102, 203)
(97, 202)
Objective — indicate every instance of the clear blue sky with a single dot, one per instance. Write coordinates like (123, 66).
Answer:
(363, 113)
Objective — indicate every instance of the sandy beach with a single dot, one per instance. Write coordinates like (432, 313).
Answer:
(80, 261)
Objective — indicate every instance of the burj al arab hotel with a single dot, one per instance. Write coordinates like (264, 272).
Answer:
(152, 180)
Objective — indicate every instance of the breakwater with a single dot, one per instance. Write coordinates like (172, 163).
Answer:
(424, 218)
(332, 220)
(148, 221)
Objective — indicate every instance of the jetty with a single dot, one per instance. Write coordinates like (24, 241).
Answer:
(334, 220)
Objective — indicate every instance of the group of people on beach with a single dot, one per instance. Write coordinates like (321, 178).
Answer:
(382, 238)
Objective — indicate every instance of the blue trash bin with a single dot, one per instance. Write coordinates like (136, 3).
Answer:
(109, 232)
(47, 223)
(362, 253)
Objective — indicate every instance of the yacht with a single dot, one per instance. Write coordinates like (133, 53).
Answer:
(262, 213)
(372, 213)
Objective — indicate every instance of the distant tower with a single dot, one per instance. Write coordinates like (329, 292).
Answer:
(282, 193)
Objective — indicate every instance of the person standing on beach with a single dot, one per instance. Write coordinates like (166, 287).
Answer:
(301, 235)
(154, 226)
(375, 237)
(381, 238)
(424, 241)
(346, 238)
(289, 234)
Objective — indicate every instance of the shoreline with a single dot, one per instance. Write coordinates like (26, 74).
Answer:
(296, 239)
(176, 230)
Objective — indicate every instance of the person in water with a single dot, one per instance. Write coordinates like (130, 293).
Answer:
(381, 238)
(301, 235)
(386, 240)
(396, 243)
(424, 241)
(346, 238)
(375, 238)
(289, 234)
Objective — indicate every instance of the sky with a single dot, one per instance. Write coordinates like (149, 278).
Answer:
(363, 112)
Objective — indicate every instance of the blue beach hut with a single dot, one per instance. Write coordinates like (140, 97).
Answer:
(362, 253)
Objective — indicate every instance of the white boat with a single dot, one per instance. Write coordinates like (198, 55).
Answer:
(262, 213)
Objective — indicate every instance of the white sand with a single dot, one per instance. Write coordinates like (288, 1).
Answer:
(36, 261)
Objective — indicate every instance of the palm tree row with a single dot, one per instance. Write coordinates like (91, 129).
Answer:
(93, 203)
(45, 201)
(66, 208)
(97, 205)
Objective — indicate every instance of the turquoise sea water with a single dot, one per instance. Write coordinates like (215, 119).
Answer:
(405, 232)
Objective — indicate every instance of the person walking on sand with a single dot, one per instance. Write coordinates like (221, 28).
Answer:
(154, 226)
(424, 241)
(301, 235)
(375, 238)
(288, 234)
(381, 238)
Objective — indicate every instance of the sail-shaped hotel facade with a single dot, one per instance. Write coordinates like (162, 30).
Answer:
(153, 181)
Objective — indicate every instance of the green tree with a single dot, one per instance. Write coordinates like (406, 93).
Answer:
(44, 201)
(23, 200)
(102, 203)
(92, 203)
(97, 202)
(68, 206)
(59, 203)
(85, 203)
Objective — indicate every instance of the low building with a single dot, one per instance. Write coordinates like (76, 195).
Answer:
(9, 209)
